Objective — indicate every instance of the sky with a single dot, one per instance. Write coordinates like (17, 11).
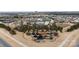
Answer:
(39, 5)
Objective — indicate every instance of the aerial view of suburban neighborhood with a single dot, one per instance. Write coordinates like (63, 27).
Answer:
(39, 29)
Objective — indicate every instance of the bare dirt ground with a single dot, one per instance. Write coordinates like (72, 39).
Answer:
(47, 43)
(65, 39)
(18, 40)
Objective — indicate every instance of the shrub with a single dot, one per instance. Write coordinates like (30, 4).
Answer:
(12, 32)
(76, 26)
(7, 28)
(28, 33)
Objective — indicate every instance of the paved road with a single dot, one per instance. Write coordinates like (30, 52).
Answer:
(67, 39)
(13, 39)
(4, 43)
(75, 41)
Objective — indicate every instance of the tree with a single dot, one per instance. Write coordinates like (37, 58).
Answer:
(76, 26)
(54, 27)
(8, 29)
(34, 27)
(60, 28)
